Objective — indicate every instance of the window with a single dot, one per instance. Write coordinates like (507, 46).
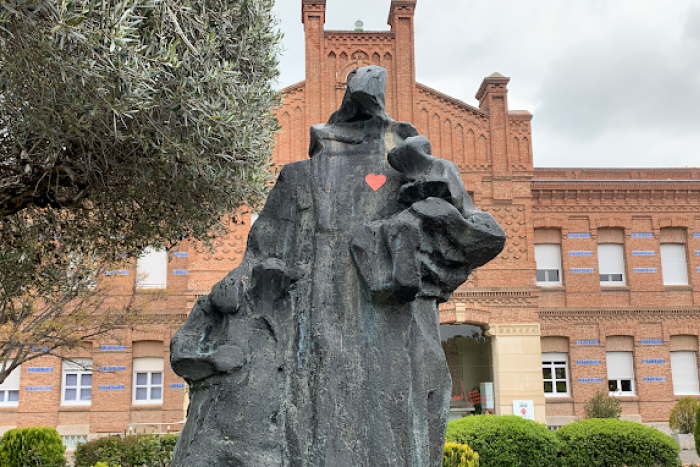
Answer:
(148, 381)
(673, 264)
(684, 370)
(71, 441)
(620, 373)
(555, 374)
(9, 389)
(77, 382)
(611, 264)
(548, 258)
(152, 269)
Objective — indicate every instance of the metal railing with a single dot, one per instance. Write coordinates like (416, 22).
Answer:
(154, 428)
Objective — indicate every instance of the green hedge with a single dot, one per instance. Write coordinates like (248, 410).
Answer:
(696, 431)
(506, 441)
(41, 446)
(616, 443)
(130, 451)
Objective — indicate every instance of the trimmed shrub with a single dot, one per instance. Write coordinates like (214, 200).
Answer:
(40, 446)
(506, 440)
(459, 455)
(682, 419)
(696, 432)
(616, 443)
(130, 451)
(602, 405)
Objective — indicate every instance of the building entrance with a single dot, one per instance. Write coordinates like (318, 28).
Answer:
(468, 352)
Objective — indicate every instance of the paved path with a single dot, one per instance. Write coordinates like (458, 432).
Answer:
(689, 457)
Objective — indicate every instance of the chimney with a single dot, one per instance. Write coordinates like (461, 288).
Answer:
(313, 15)
(401, 22)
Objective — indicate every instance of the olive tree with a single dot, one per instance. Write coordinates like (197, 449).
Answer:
(123, 124)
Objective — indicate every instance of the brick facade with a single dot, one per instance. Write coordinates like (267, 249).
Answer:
(492, 145)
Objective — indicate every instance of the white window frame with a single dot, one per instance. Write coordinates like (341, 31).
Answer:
(149, 366)
(147, 276)
(684, 371)
(554, 361)
(78, 367)
(624, 372)
(546, 255)
(673, 273)
(11, 384)
(611, 263)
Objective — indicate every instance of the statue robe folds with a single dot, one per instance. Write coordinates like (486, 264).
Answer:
(322, 349)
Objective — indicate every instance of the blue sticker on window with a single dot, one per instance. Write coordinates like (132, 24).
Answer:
(596, 342)
(643, 253)
(644, 270)
(39, 388)
(112, 348)
(588, 362)
(579, 235)
(112, 369)
(655, 379)
(652, 341)
(654, 361)
(580, 253)
(177, 386)
(180, 272)
(590, 380)
(111, 387)
(40, 369)
(642, 235)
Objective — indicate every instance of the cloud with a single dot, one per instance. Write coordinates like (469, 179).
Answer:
(636, 79)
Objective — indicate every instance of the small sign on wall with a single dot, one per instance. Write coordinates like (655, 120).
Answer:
(486, 390)
(524, 409)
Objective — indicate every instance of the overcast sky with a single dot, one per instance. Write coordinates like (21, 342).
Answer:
(611, 83)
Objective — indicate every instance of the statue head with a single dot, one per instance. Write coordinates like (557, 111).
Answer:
(364, 97)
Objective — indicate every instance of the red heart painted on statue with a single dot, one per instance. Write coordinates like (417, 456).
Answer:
(375, 182)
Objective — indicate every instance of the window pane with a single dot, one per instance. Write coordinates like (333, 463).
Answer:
(548, 256)
(674, 269)
(70, 394)
(156, 394)
(2, 396)
(86, 380)
(547, 373)
(141, 394)
(616, 277)
(604, 277)
(561, 386)
(142, 379)
(626, 384)
(13, 396)
(553, 275)
(71, 379)
(612, 385)
(548, 387)
(541, 275)
(85, 394)
(156, 378)
(560, 373)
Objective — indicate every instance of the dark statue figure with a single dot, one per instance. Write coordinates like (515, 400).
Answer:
(322, 349)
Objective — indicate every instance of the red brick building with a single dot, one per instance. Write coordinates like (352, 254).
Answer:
(598, 287)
